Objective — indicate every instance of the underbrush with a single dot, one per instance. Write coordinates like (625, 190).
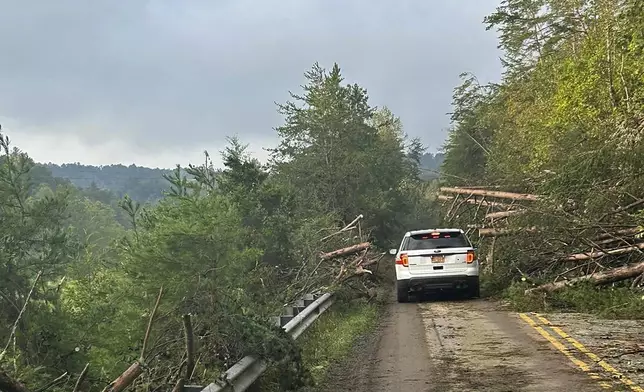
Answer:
(328, 340)
(616, 301)
(610, 302)
(331, 337)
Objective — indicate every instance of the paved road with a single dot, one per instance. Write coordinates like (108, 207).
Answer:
(470, 345)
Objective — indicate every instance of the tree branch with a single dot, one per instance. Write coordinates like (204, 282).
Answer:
(15, 324)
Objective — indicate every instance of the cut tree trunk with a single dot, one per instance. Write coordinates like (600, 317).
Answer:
(492, 232)
(346, 251)
(126, 379)
(598, 254)
(178, 387)
(499, 194)
(503, 214)
(473, 201)
(598, 278)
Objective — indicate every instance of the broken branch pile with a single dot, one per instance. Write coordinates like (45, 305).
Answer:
(545, 238)
(329, 270)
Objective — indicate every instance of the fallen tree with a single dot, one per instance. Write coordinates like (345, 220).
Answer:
(503, 214)
(346, 251)
(497, 194)
(493, 232)
(598, 254)
(597, 278)
(474, 201)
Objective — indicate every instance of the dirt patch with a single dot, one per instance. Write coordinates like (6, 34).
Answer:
(474, 346)
(453, 346)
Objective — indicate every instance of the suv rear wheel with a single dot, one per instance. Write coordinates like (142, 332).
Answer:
(402, 291)
(474, 289)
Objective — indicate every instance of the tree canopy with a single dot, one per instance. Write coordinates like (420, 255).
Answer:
(228, 246)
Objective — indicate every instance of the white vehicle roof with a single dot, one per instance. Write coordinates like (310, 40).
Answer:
(425, 231)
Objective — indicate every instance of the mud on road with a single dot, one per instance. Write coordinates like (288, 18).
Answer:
(471, 345)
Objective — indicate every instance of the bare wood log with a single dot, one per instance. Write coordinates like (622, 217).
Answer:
(126, 379)
(136, 369)
(472, 201)
(499, 194)
(503, 214)
(348, 227)
(484, 187)
(492, 232)
(595, 255)
(81, 378)
(149, 328)
(8, 384)
(597, 278)
(178, 387)
(346, 251)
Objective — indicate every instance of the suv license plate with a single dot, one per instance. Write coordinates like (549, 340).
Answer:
(438, 259)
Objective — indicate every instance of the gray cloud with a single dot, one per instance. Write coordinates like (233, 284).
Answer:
(168, 73)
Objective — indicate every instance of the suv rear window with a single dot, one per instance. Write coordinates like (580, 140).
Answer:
(436, 241)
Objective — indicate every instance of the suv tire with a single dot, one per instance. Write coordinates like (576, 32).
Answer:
(474, 289)
(402, 291)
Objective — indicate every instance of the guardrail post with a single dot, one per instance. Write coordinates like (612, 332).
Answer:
(308, 299)
(286, 316)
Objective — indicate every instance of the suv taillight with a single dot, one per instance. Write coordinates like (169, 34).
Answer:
(403, 260)
(470, 257)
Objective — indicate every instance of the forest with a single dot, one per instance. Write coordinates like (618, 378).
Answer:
(147, 185)
(544, 168)
(140, 183)
(563, 130)
(83, 266)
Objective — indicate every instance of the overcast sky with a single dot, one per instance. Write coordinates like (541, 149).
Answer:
(156, 82)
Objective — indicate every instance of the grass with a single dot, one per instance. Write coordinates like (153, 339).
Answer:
(332, 336)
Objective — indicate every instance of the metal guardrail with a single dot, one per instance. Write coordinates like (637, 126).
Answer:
(245, 372)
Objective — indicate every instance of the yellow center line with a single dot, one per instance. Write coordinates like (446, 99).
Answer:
(618, 375)
(564, 350)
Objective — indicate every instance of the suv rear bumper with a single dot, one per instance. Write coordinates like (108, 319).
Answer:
(439, 282)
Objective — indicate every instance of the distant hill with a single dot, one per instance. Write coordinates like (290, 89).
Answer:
(144, 184)
(431, 164)
(140, 183)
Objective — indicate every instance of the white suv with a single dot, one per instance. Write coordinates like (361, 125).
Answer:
(436, 259)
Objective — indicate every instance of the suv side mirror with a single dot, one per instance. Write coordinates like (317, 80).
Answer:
(393, 251)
